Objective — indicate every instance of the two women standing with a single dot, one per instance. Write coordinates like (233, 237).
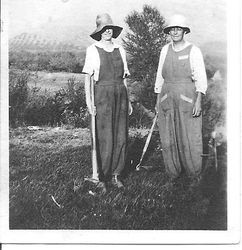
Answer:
(180, 83)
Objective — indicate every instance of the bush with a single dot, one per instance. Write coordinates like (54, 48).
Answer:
(66, 106)
(41, 109)
(33, 106)
(77, 120)
(75, 112)
(214, 107)
(18, 96)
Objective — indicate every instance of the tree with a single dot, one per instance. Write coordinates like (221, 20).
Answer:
(143, 44)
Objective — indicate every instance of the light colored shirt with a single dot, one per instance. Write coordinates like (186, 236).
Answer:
(92, 61)
(197, 68)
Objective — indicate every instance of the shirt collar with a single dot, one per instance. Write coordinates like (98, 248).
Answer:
(100, 45)
(183, 47)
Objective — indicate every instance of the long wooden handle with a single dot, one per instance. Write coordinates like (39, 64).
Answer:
(93, 122)
(147, 141)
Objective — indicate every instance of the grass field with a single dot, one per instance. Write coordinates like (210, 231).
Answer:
(48, 191)
(53, 81)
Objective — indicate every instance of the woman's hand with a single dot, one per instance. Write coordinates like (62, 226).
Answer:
(197, 108)
(130, 108)
(157, 103)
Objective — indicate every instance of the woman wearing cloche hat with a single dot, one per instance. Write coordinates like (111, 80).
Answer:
(106, 69)
(180, 83)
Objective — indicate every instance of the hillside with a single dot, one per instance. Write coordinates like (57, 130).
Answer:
(51, 36)
(36, 42)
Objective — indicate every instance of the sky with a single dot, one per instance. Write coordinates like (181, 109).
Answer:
(207, 18)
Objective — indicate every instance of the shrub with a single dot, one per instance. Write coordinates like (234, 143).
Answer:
(33, 106)
(75, 111)
(77, 120)
(214, 107)
(18, 96)
(66, 106)
(41, 109)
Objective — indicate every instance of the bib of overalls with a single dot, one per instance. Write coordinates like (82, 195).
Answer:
(178, 91)
(177, 66)
(111, 66)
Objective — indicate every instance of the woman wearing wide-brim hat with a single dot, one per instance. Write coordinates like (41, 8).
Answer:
(106, 65)
(180, 83)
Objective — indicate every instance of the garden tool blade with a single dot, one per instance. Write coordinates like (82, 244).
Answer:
(91, 179)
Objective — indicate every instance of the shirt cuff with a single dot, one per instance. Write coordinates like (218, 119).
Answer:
(126, 74)
(86, 70)
(157, 90)
(202, 91)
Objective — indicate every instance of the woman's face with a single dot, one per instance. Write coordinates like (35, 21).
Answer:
(177, 34)
(107, 35)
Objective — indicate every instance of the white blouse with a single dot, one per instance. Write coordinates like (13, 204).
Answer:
(92, 61)
(197, 67)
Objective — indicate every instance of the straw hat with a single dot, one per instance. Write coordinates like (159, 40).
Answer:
(104, 21)
(177, 21)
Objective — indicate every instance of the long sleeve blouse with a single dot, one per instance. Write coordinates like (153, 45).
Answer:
(92, 61)
(197, 68)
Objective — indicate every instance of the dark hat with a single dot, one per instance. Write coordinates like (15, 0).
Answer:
(104, 21)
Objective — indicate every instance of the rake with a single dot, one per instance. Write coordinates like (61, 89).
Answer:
(146, 143)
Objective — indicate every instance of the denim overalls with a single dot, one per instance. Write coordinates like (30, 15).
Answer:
(180, 132)
(111, 102)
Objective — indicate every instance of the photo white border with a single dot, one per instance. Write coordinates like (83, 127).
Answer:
(232, 235)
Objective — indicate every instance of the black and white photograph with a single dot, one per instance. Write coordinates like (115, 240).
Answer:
(120, 121)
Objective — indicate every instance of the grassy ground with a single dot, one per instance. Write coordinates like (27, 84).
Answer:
(48, 191)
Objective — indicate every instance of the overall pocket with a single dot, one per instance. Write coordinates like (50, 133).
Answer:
(165, 103)
(186, 103)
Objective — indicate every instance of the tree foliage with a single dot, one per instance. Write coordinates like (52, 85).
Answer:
(143, 44)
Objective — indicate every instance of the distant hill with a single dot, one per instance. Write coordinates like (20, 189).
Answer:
(35, 42)
(52, 37)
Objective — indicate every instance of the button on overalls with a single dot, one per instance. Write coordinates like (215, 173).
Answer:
(180, 132)
(111, 102)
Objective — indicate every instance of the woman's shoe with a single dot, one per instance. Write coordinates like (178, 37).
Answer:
(116, 182)
(102, 186)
